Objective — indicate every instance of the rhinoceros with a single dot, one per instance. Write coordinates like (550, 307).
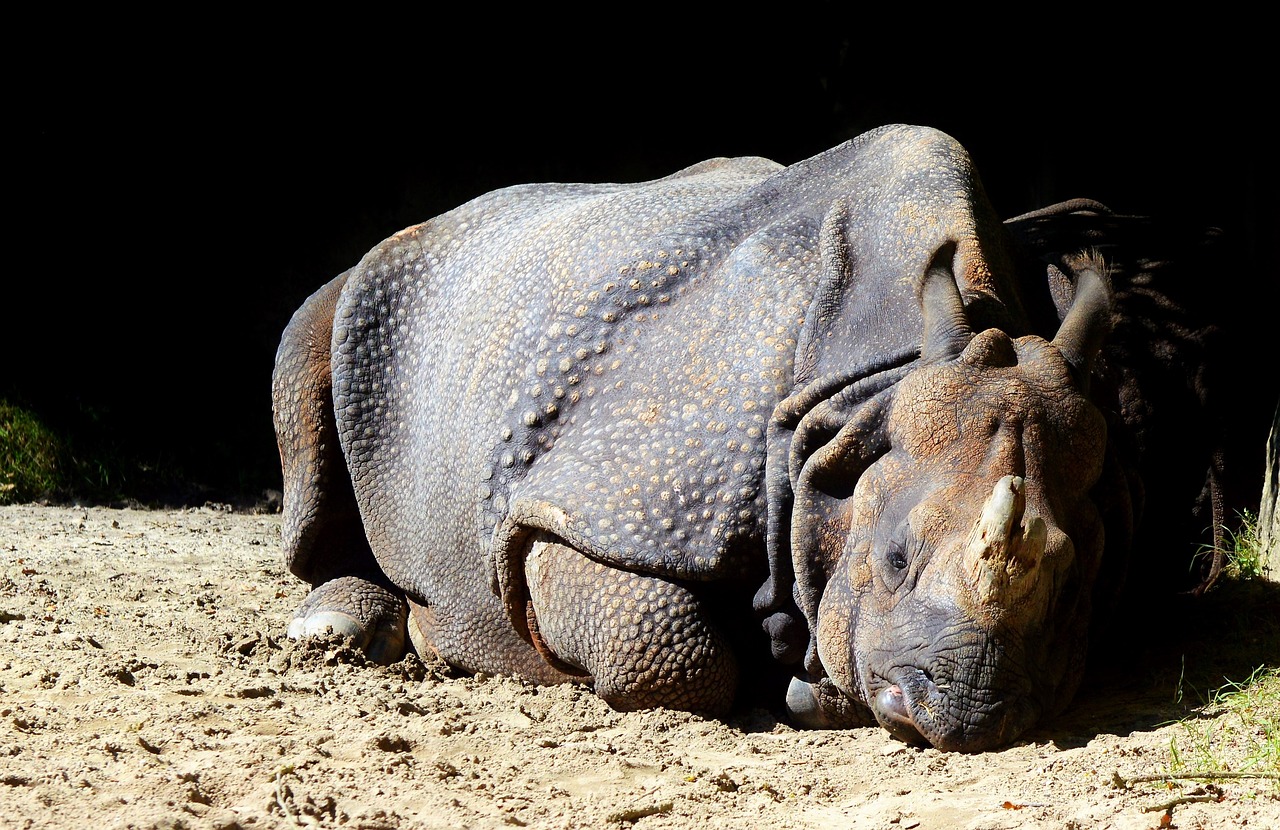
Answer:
(834, 420)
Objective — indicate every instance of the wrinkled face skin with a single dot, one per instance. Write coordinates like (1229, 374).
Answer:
(958, 611)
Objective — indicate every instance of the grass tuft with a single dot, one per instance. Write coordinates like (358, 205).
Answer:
(1244, 551)
(1237, 730)
(32, 457)
(1235, 726)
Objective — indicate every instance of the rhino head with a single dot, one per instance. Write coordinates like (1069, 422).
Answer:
(948, 593)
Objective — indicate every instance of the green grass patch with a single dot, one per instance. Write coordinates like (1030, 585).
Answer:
(1244, 551)
(74, 459)
(33, 459)
(1236, 730)
(1233, 725)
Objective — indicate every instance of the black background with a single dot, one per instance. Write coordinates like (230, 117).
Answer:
(175, 196)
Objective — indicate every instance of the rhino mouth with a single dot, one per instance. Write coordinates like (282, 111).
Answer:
(915, 708)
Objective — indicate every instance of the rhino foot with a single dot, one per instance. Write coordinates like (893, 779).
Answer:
(820, 705)
(371, 614)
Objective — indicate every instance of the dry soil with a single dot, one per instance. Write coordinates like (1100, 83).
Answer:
(145, 682)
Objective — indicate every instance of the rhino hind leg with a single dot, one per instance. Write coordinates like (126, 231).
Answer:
(373, 615)
(645, 641)
(323, 535)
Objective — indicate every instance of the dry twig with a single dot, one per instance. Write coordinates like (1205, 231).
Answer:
(636, 813)
(1123, 784)
(1186, 799)
(282, 796)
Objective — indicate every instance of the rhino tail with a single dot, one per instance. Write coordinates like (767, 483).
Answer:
(322, 532)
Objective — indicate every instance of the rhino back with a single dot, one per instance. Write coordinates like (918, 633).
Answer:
(445, 333)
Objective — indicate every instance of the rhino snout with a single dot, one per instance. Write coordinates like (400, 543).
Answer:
(894, 714)
(915, 709)
(906, 706)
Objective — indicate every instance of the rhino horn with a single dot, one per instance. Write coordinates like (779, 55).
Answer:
(1006, 546)
(946, 326)
(1088, 321)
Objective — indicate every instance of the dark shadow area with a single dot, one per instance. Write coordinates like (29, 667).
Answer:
(178, 202)
(1161, 662)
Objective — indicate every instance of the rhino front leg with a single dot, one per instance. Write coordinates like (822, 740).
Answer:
(324, 538)
(644, 640)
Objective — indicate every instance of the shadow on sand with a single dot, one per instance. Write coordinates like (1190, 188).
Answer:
(1161, 663)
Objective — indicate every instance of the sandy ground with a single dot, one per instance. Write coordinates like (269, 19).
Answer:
(145, 682)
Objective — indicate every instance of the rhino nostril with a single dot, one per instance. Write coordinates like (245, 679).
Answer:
(895, 715)
(893, 702)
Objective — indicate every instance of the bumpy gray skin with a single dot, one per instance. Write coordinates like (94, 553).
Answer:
(552, 432)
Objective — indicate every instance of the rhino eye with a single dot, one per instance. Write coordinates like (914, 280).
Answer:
(897, 557)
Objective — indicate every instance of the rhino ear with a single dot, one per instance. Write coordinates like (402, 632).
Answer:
(1088, 320)
(946, 326)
